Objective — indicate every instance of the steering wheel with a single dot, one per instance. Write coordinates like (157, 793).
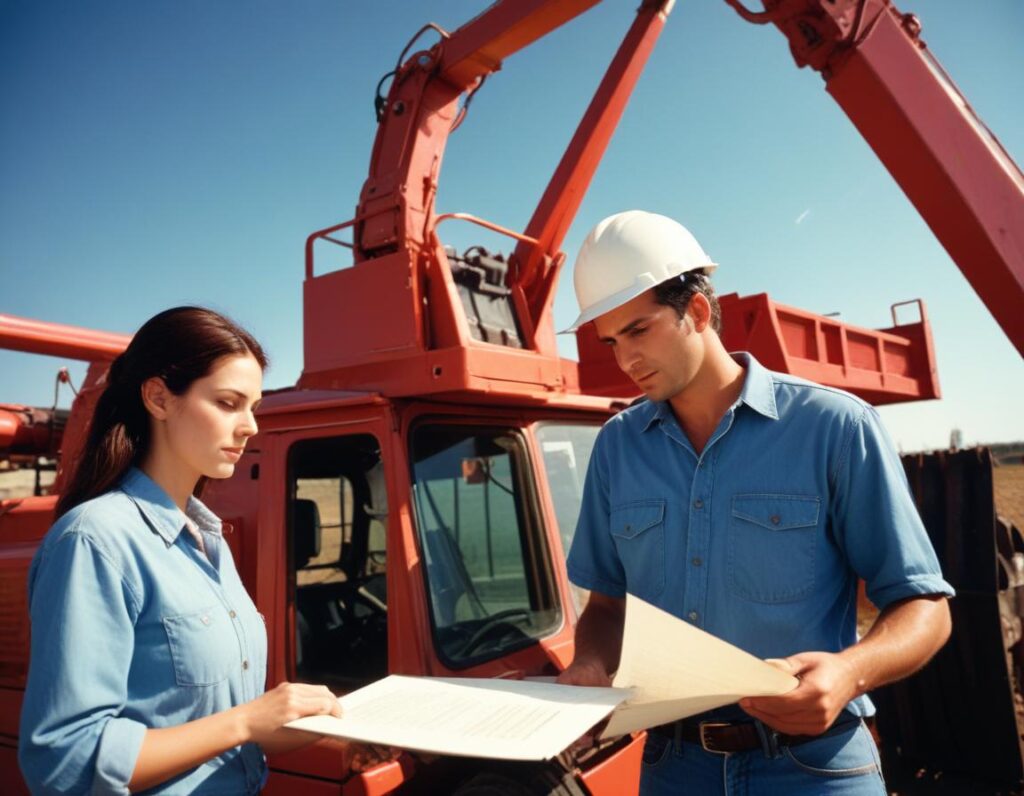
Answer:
(500, 619)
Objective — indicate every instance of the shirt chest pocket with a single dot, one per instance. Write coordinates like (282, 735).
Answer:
(772, 544)
(204, 646)
(638, 530)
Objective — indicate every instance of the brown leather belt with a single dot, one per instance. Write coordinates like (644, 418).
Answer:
(727, 737)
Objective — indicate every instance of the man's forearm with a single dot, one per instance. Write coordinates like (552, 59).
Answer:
(599, 632)
(903, 639)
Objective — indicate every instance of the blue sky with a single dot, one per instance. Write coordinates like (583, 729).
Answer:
(160, 153)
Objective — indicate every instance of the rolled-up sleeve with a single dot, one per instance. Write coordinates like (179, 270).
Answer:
(593, 562)
(876, 521)
(72, 737)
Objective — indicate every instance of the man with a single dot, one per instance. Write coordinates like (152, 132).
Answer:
(748, 503)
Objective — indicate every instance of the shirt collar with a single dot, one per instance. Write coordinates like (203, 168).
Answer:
(758, 393)
(758, 387)
(161, 513)
(655, 412)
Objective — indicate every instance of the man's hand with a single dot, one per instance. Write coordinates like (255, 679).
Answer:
(598, 643)
(585, 672)
(827, 683)
(588, 673)
(903, 639)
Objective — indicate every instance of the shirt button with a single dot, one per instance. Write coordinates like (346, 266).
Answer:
(245, 664)
(693, 616)
(775, 519)
(698, 503)
(696, 561)
(232, 614)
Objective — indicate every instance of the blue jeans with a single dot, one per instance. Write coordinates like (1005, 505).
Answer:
(843, 762)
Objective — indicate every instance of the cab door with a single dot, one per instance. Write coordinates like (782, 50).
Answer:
(326, 512)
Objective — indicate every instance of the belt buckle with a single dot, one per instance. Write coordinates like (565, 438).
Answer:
(703, 727)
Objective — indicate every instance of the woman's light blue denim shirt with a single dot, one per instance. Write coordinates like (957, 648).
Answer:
(134, 627)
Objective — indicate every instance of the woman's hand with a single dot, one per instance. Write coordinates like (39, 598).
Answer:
(262, 717)
(169, 751)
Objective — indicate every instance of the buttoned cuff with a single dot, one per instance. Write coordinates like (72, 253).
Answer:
(918, 586)
(594, 583)
(116, 756)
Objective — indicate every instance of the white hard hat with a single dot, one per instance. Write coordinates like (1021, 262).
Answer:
(628, 253)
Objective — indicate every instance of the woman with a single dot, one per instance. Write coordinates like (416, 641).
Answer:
(148, 656)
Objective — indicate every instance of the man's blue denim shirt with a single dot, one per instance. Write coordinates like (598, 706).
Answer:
(134, 627)
(761, 538)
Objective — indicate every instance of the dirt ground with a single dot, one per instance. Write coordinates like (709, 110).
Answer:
(19, 483)
(1008, 483)
(1009, 487)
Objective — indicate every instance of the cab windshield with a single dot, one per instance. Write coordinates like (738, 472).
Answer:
(488, 569)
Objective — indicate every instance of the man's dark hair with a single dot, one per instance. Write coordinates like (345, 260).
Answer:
(677, 292)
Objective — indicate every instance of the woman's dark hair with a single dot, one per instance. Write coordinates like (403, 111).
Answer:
(179, 346)
(677, 292)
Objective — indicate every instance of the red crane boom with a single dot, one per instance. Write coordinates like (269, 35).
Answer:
(953, 169)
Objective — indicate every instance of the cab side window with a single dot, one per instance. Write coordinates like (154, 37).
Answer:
(337, 530)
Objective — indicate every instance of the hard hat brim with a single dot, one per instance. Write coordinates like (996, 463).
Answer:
(643, 282)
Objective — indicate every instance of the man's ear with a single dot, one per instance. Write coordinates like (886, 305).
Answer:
(156, 397)
(699, 310)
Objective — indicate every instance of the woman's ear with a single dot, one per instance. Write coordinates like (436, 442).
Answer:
(156, 397)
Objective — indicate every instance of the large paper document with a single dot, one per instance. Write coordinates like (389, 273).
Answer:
(506, 719)
(668, 670)
(676, 670)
